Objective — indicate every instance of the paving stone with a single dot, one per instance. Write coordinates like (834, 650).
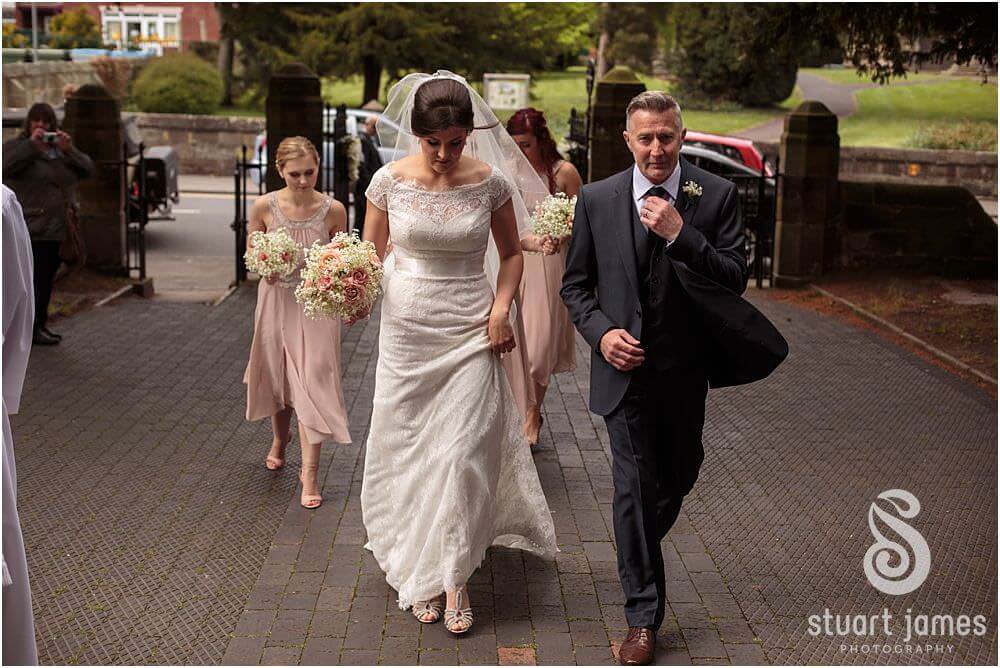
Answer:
(321, 652)
(155, 536)
(280, 656)
(438, 657)
(255, 623)
(516, 656)
(399, 651)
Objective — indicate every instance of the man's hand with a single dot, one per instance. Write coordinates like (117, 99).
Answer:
(621, 350)
(660, 217)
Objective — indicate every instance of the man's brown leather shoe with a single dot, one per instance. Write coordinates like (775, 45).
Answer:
(637, 650)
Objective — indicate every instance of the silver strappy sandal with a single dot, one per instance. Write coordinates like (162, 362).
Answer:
(458, 620)
(428, 612)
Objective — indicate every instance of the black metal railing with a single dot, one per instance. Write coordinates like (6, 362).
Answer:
(243, 170)
(336, 181)
(136, 203)
(758, 203)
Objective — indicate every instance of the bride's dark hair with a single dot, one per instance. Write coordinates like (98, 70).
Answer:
(440, 104)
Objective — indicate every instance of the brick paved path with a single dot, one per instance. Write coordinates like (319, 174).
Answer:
(155, 535)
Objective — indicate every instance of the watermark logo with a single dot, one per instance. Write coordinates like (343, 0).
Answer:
(890, 569)
(887, 562)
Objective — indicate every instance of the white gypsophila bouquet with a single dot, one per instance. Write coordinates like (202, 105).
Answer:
(272, 254)
(342, 278)
(352, 151)
(553, 217)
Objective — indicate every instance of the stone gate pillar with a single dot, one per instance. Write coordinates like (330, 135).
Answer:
(806, 227)
(608, 152)
(93, 119)
(294, 107)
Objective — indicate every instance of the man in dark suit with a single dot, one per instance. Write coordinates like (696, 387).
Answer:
(653, 277)
(371, 162)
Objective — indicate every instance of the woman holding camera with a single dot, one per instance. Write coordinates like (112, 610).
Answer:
(42, 167)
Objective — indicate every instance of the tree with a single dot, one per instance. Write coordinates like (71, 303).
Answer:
(879, 38)
(633, 31)
(722, 53)
(372, 39)
(74, 29)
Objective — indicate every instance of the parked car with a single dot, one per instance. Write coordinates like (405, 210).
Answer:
(356, 119)
(757, 194)
(740, 150)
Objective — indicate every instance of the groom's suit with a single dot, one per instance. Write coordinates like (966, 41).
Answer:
(681, 301)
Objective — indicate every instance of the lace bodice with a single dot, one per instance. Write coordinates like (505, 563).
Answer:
(431, 224)
(305, 232)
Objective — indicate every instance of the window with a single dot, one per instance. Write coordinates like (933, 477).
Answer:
(142, 27)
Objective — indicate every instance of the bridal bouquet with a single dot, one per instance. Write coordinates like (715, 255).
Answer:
(342, 278)
(272, 254)
(553, 216)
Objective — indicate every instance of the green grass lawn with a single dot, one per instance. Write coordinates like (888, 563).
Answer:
(848, 75)
(556, 93)
(889, 116)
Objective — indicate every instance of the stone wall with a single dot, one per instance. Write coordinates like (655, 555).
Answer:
(937, 229)
(204, 144)
(43, 81)
(975, 171)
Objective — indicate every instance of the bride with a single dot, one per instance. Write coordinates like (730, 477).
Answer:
(447, 471)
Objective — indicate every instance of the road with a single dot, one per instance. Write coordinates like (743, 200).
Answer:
(191, 258)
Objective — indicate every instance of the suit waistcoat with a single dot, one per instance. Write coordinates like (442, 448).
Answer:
(667, 331)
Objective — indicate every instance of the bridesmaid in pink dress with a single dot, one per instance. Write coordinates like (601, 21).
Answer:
(295, 361)
(550, 334)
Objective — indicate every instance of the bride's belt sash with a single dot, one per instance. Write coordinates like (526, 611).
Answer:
(439, 266)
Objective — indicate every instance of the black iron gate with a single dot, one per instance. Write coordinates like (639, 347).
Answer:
(245, 169)
(579, 130)
(136, 210)
(759, 200)
(336, 179)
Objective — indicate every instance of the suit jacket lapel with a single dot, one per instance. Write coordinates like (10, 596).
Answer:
(621, 210)
(685, 205)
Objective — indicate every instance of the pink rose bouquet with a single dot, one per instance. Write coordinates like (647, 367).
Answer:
(341, 279)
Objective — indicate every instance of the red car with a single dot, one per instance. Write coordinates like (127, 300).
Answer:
(740, 150)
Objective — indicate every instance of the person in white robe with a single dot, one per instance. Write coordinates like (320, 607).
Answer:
(18, 314)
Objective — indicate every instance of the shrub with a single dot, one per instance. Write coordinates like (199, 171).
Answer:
(207, 51)
(74, 29)
(12, 39)
(964, 135)
(178, 84)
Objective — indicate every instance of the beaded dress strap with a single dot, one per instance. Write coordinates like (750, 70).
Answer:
(282, 220)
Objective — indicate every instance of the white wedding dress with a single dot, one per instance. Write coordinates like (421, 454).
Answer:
(447, 470)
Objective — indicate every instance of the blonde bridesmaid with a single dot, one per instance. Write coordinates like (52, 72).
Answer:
(549, 331)
(295, 361)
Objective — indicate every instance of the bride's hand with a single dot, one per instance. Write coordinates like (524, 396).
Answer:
(500, 332)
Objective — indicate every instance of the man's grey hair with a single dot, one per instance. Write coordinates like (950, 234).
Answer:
(655, 101)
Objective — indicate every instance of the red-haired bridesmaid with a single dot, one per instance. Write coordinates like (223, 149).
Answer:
(550, 336)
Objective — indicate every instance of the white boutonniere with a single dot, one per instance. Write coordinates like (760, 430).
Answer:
(692, 190)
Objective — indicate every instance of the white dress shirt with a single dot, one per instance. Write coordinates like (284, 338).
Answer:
(641, 185)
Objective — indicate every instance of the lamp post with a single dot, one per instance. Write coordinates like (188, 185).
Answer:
(34, 27)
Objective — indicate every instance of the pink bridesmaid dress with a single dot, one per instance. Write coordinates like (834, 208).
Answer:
(548, 328)
(295, 361)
